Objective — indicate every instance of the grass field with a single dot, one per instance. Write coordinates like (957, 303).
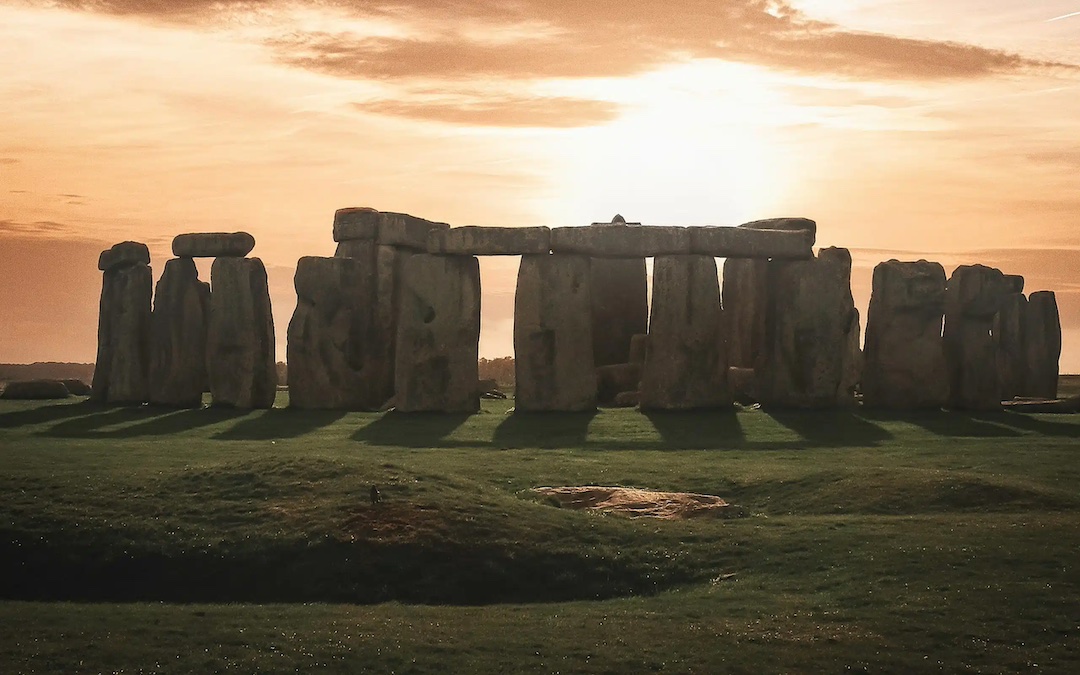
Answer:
(149, 540)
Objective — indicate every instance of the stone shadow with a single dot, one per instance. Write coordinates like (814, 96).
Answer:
(150, 421)
(276, 423)
(543, 430)
(697, 429)
(950, 424)
(48, 413)
(1015, 422)
(410, 430)
(831, 428)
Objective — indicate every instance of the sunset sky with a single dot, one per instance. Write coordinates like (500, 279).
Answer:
(906, 128)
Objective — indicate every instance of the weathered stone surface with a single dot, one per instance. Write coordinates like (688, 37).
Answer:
(621, 241)
(811, 326)
(553, 360)
(121, 372)
(240, 338)
(1042, 343)
(490, 241)
(745, 292)
(685, 363)
(973, 296)
(124, 254)
(400, 229)
(905, 355)
(620, 307)
(389, 271)
(35, 390)
(77, 387)
(638, 344)
(1015, 283)
(743, 385)
(178, 328)
(614, 379)
(438, 335)
(213, 245)
(789, 224)
(626, 399)
(360, 249)
(356, 223)
(1008, 332)
(336, 361)
(737, 242)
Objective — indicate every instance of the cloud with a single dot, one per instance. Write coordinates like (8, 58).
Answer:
(456, 39)
(43, 227)
(510, 111)
(8, 161)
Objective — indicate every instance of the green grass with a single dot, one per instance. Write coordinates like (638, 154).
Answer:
(143, 540)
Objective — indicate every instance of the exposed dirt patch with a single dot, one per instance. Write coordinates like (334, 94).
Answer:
(638, 503)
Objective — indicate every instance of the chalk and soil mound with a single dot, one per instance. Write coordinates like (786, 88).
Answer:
(638, 503)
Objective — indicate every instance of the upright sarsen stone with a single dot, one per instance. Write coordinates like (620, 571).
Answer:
(685, 361)
(905, 355)
(809, 357)
(121, 371)
(744, 295)
(240, 340)
(1042, 343)
(619, 307)
(1008, 331)
(553, 359)
(973, 296)
(438, 335)
(178, 336)
(334, 361)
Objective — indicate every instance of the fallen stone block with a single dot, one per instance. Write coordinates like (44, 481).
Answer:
(35, 390)
(615, 379)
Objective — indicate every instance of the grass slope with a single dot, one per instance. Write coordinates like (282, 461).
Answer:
(148, 540)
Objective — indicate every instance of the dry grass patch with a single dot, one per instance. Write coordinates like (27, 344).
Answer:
(639, 503)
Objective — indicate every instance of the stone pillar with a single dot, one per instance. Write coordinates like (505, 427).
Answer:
(1042, 343)
(553, 354)
(744, 294)
(178, 336)
(121, 371)
(1008, 331)
(355, 231)
(335, 354)
(810, 356)
(973, 297)
(438, 335)
(620, 304)
(240, 341)
(905, 356)
(685, 359)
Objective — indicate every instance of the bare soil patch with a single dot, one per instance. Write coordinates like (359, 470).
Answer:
(639, 503)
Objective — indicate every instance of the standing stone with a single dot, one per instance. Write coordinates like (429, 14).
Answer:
(553, 359)
(685, 360)
(973, 297)
(619, 307)
(1008, 331)
(744, 292)
(1042, 342)
(905, 356)
(811, 333)
(240, 341)
(332, 364)
(438, 335)
(178, 336)
(121, 372)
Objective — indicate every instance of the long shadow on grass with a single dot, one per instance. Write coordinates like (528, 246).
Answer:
(46, 414)
(280, 423)
(148, 421)
(948, 424)
(699, 429)
(831, 428)
(1019, 421)
(410, 430)
(543, 430)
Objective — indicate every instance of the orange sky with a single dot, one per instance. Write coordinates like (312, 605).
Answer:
(906, 128)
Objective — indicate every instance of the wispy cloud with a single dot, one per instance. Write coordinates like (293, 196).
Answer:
(511, 111)
(8, 160)
(1063, 16)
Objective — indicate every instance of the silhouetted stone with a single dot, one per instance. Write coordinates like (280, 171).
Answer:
(685, 363)
(490, 241)
(400, 229)
(364, 250)
(124, 254)
(553, 360)
(973, 296)
(737, 242)
(638, 345)
(77, 387)
(213, 245)
(178, 328)
(438, 335)
(743, 385)
(786, 224)
(1042, 343)
(1008, 332)
(745, 292)
(626, 399)
(35, 390)
(905, 355)
(621, 241)
(121, 371)
(614, 379)
(620, 307)
(356, 223)
(333, 362)
(240, 340)
(810, 356)
(1014, 283)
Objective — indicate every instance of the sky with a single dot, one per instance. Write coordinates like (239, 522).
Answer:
(906, 128)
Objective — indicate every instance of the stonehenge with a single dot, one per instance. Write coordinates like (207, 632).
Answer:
(392, 321)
